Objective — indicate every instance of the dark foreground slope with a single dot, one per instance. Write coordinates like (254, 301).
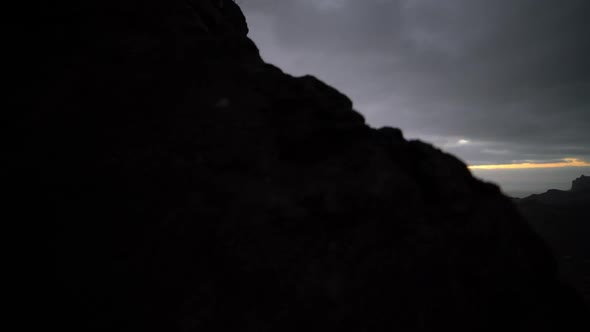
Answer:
(562, 218)
(189, 186)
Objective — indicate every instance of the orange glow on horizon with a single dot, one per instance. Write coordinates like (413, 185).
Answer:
(567, 162)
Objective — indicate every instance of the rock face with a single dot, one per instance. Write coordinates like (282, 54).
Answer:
(190, 186)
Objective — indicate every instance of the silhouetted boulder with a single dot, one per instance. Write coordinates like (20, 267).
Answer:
(193, 187)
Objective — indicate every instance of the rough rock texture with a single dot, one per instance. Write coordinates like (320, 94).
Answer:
(189, 186)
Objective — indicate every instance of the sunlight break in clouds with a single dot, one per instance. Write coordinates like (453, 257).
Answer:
(567, 162)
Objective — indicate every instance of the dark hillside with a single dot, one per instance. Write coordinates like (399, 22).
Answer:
(189, 186)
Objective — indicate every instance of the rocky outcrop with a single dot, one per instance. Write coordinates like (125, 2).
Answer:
(190, 186)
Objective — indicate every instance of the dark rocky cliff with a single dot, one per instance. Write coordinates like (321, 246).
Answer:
(189, 186)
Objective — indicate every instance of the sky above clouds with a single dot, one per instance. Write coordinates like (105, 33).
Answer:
(491, 81)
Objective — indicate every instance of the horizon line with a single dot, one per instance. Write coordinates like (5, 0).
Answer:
(566, 163)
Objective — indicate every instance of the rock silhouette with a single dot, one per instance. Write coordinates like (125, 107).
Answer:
(581, 184)
(562, 218)
(190, 186)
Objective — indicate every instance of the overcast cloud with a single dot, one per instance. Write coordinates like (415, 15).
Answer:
(511, 78)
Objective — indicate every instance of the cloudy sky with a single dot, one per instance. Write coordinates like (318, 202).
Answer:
(494, 82)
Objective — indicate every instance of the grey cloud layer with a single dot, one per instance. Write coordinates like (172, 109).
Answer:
(512, 76)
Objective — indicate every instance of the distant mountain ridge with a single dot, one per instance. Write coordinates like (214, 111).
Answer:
(579, 193)
(562, 218)
(581, 184)
(557, 211)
